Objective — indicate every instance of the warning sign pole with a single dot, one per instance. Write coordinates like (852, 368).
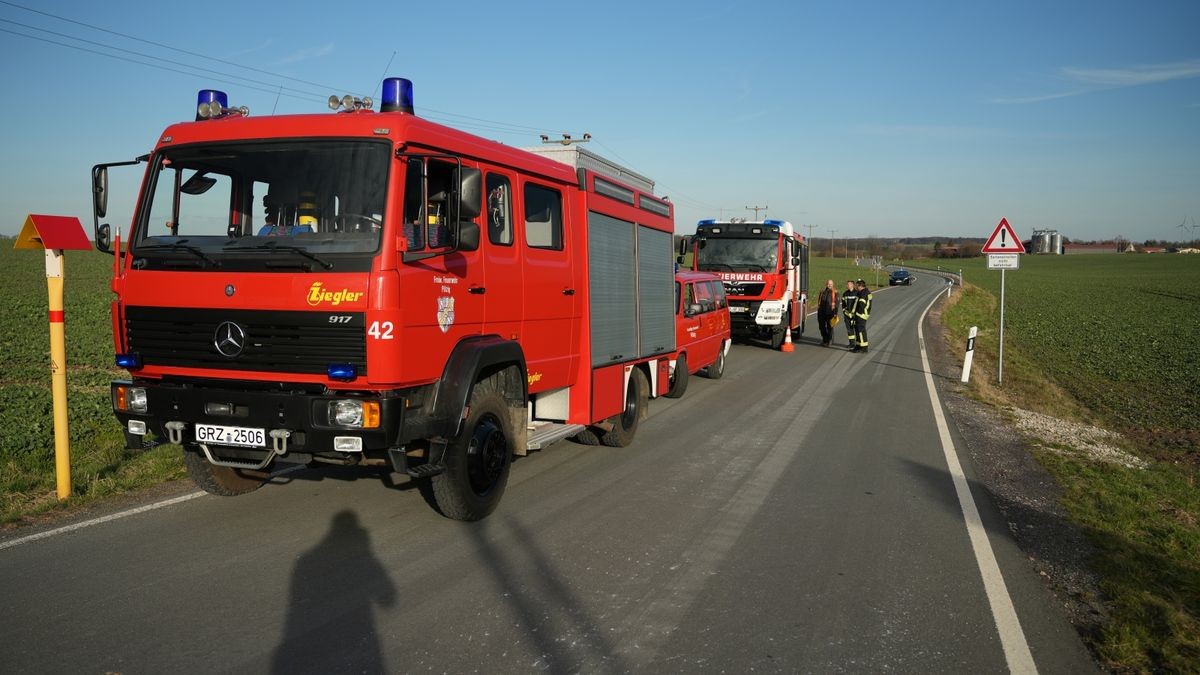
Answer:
(58, 373)
(1002, 248)
(54, 234)
(1000, 369)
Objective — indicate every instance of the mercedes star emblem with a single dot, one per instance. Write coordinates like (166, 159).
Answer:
(229, 339)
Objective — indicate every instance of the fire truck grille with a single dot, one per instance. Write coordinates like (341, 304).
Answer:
(284, 342)
(744, 288)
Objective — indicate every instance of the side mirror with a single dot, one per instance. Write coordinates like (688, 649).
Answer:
(104, 238)
(678, 260)
(684, 245)
(795, 261)
(100, 191)
(468, 235)
(470, 193)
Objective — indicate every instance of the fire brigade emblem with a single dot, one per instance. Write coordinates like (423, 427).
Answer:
(445, 313)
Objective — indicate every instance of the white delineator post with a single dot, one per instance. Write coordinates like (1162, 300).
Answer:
(970, 353)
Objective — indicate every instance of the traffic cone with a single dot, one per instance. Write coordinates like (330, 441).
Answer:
(787, 341)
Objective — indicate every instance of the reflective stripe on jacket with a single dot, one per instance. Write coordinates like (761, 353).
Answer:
(848, 300)
(862, 306)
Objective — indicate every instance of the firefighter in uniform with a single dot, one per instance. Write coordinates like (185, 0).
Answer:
(848, 301)
(862, 312)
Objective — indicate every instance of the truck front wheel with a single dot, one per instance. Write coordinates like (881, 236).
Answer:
(478, 461)
(625, 425)
(218, 480)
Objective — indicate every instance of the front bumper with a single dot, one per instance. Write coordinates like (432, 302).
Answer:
(302, 413)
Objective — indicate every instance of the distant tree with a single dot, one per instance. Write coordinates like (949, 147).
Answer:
(937, 247)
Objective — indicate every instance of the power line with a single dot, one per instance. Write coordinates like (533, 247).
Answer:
(143, 63)
(149, 56)
(165, 46)
(494, 125)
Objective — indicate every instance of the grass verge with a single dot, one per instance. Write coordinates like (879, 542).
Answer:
(1145, 522)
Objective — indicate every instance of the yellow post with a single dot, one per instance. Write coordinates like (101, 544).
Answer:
(55, 234)
(58, 372)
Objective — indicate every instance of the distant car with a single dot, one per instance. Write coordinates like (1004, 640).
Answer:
(900, 277)
(701, 329)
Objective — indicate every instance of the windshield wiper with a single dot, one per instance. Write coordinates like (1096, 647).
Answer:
(182, 244)
(706, 266)
(274, 245)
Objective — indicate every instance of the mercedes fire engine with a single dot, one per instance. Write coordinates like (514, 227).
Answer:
(372, 288)
(764, 266)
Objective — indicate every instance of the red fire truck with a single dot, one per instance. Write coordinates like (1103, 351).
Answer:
(372, 288)
(764, 266)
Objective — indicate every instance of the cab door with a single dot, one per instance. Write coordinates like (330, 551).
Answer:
(550, 330)
(505, 292)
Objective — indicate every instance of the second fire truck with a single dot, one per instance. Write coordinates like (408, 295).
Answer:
(764, 266)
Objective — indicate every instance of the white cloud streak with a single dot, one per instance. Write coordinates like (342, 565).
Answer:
(306, 54)
(1081, 81)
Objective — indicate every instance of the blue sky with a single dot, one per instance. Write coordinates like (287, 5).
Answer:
(871, 119)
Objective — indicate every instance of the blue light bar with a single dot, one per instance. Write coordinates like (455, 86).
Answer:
(129, 361)
(397, 95)
(207, 96)
(342, 371)
(707, 221)
(773, 222)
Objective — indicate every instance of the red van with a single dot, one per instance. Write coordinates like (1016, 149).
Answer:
(701, 329)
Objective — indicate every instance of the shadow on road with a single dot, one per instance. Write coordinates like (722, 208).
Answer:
(330, 626)
(552, 616)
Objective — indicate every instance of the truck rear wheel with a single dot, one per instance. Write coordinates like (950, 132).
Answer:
(679, 379)
(478, 461)
(625, 424)
(218, 480)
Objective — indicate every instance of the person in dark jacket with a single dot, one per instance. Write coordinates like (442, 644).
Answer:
(827, 309)
(848, 301)
(862, 312)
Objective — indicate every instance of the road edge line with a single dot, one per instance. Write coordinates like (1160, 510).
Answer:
(1004, 613)
(98, 521)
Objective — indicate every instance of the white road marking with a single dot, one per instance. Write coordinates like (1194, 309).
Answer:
(1012, 638)
(97, 521)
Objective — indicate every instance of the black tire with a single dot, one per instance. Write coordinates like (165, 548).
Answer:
(625, 424)
(587, 437)
(478, 461)
(679, 381)
(717, 369)
(218, 480)
(776, 340)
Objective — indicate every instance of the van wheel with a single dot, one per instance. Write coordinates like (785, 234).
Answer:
(218, 480)
(478, 461)
(625, 424)
(679, 380)
(717, 369)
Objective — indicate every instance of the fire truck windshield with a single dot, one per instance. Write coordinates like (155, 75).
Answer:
(250, 203)
(738, 255)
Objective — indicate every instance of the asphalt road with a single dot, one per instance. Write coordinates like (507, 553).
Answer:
(798, 515)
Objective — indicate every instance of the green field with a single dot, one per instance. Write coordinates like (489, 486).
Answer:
(1111, 340)
(100, 464)
(1121, 333)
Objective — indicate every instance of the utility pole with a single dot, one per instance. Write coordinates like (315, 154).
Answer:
(756, 209)
(810, 229)
(831, 233)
